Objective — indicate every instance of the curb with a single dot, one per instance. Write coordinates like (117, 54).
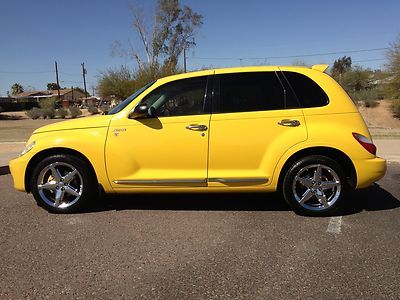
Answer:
(4, 170)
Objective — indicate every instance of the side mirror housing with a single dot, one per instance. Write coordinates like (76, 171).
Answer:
(140, 111)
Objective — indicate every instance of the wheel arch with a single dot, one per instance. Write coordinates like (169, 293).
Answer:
(53, 151)
(340, 157)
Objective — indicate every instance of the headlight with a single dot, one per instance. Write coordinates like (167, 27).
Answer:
(28, 148)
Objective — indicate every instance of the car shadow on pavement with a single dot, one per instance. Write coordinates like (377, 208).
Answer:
(196, 202)
(373, 198)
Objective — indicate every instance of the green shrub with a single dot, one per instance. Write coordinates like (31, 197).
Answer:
(396, 108)
(1, 109)
(48, 113)
(93, 110)
(364, 95)
(34, 113)
(371, 103)
(62, 112)
(47, 103)
(75, 112)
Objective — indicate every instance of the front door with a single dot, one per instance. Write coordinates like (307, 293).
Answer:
(169, 148)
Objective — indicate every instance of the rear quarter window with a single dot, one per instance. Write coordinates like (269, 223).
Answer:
(307, 91)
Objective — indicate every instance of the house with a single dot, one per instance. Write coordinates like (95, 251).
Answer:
(67, 96)
(11, 104)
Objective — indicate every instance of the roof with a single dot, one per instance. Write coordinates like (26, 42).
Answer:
(319, 68)
(45, 93)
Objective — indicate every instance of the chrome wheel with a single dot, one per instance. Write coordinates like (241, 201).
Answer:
(316, 187)
(60, 185)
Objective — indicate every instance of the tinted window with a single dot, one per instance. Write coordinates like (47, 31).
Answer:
(178, 98)
(254, 91)
(309, 93)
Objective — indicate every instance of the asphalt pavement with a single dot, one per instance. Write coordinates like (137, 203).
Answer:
(242, 246)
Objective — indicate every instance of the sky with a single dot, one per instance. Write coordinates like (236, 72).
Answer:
(34, 34)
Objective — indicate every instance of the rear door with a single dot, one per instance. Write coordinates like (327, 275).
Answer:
(255, 119)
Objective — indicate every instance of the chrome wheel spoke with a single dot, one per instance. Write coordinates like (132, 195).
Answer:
(307, 182)
(329, 184)
(70, 190)
(59, 197)
(68, 178)
(322, 200)
(318, 173)
(306, 196)
(51, 185)
(55, 173)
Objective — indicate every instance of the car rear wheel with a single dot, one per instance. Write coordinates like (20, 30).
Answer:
(62, 183)
(314, 185)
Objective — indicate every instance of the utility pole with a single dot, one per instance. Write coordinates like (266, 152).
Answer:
(93, 91)
(58, 83)
(84, 77)
(184, 59)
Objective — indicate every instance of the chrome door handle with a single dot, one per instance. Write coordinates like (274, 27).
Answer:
(196, 127)
(290, 123)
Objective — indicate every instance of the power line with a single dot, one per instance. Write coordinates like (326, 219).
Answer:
(366, 60)
(34, 72)
(292, 56)
(69, 74)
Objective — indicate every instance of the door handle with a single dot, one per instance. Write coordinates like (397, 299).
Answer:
(290, 123)
(196, 127)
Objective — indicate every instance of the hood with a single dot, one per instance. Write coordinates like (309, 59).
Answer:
(80, 123)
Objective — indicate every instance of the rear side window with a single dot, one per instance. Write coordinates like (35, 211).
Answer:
(308, 93)
(253, 91)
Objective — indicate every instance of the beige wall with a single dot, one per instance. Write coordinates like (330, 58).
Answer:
(77, 95)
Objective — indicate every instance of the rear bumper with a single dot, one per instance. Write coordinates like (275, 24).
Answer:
(17, 170)
(369, 171)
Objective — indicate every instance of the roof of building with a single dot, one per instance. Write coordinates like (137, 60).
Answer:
(45, 93)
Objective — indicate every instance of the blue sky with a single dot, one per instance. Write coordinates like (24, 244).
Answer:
(33, 34)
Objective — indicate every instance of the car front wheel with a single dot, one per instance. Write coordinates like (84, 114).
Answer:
(62, 183)
(314, 185)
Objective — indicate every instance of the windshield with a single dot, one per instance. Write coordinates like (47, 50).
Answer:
(128, 100)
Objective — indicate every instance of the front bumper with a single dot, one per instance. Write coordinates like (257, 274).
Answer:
(18, 168)
(369, 171)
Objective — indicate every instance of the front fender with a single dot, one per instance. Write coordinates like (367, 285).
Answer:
(88, 142)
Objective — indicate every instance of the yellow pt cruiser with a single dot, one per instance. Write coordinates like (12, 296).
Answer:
(249, 129)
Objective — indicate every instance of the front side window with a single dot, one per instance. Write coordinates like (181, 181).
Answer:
(253, 91)
(178, 98)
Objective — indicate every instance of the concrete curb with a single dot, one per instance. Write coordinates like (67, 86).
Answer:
(4, 170)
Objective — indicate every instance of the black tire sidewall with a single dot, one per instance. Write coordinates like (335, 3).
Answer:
(87, 177)
(296, 167)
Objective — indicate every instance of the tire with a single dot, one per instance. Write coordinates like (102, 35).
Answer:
(63, 183)
(315, 186)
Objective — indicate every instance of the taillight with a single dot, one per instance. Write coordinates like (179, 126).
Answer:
(365, 142)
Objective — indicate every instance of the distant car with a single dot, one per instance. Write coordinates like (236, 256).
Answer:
(250, 129)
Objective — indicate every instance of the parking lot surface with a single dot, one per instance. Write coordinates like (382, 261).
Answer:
(242, 246)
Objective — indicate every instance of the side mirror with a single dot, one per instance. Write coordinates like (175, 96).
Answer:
(140, 111)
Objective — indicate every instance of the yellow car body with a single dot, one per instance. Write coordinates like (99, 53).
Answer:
(245, 151)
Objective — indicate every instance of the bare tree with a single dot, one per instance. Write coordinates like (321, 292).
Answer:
(172, 31)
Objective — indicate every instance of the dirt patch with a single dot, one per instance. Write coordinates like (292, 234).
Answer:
(380, 116)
